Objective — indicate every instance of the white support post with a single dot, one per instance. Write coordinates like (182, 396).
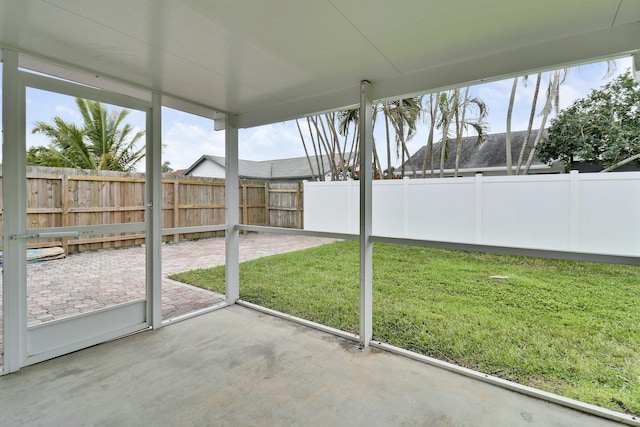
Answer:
(14, 189)
(154, 212)
(366, 247)
(232, 207)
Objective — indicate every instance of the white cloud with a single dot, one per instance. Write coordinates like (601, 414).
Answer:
(185, 143)
(274, 141)
(67, 113)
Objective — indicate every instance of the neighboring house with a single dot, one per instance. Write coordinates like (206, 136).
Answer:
(488, 158)
(293, 169)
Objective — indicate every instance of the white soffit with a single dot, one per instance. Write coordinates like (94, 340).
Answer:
(267, 61)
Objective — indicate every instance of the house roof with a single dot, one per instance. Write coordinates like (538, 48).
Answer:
(491, 154)
(269, 61)
(291, 168)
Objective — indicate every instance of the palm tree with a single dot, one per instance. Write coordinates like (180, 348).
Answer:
(446, 105)
(306, 152)
(556, 79)
(346, 119)
(403, 114)
(507, 147)
(433, 115)
(103, 142)
(532, 113)
(323, 132)
(352, 117)
(462, 123)
(453, 106)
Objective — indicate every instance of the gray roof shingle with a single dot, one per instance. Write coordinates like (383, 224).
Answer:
(490, 154)
(295, 168)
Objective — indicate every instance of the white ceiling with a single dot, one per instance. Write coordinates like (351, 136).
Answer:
(271, 60)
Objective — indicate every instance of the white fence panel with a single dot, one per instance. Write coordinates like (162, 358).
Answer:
(608, 219)
(440, 212)
(595, 213)
(331, 208)
(388, 204)
(531, 212)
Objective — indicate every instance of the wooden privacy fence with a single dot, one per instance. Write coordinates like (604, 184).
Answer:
(58, 197)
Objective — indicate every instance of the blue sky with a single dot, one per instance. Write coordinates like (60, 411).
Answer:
(187, 137)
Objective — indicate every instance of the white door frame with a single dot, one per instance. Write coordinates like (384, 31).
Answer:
(25, 345)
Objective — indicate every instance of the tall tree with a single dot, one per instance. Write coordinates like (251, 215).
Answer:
(447, 102)
(603, 127)
(102, 142)
(532, 113)
(553, 94)
(433, 117)
(463, 122)
(507, 143)
(403, 114)
(453, 106)
(306, 152)
(554, 80)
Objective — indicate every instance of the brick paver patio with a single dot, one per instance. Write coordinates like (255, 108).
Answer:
(91, 280)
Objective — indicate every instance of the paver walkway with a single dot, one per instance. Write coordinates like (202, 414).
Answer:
(91, 280)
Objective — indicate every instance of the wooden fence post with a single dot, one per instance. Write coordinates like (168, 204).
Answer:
(176, 208)
(299, 205)
(245, 205)
(64, 220)
(267, 199)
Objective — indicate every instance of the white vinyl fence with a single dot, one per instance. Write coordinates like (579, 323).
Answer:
(593, 213)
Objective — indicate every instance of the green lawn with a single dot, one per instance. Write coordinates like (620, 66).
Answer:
(566, 327)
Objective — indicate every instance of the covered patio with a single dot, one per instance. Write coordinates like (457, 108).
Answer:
(244, 64)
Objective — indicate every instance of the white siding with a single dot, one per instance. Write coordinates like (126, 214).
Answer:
(208, 168)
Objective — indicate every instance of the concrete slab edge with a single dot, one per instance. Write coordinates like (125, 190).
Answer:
(499, 382)
(314, 325)
(509, 385)
(202, 311)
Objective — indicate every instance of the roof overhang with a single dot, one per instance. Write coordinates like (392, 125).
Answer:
(267, 62)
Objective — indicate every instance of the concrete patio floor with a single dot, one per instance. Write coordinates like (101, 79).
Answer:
(239, 367)
(89, 281)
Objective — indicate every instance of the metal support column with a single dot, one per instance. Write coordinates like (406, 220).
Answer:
(232, 205)
(154, 212)
(14, 182)
(366, 247)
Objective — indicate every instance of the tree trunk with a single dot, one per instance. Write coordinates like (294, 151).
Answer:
(386, 126)
(321, 173)
(552, 93)
(532, 114)
(443, 148)
(460, 123)
(507, 143)
(306, 152)
(428, 155)
(621, 163)
(330, 145)
(445, 135)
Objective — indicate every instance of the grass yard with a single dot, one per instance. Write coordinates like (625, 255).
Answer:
(566, 327)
